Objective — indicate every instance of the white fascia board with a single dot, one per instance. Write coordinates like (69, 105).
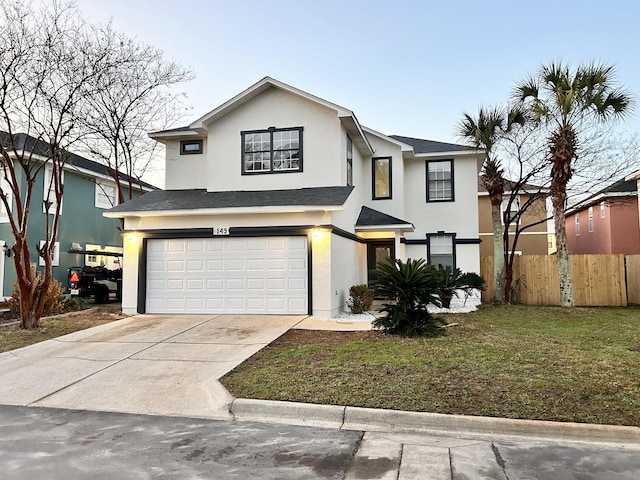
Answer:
(224, 211)
(401, 227)
(352, 125)
(456, 153)
(632, 176)
(169, 135)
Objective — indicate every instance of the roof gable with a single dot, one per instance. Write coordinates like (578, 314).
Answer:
(199, 126)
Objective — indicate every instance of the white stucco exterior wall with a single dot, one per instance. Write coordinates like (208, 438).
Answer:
(276, 108)
(131, 248)
(184, 171)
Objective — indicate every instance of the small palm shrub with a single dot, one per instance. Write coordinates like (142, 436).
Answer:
(360, 299)
(410, 286)
(453, 282)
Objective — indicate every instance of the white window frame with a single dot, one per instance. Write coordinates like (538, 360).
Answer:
(6, 188)
(55, 256)
(590, 219)
(602, 209)
(102, 198)
(577, 224)
(503, 210)
(50, 189)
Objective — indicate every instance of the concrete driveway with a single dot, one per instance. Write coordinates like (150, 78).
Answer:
(151, 364)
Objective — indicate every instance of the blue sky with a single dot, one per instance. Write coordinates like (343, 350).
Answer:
(404, 67)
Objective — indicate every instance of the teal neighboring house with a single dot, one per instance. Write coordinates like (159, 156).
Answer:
(89, 190)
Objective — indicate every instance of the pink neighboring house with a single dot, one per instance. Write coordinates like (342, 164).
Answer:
(608, 222)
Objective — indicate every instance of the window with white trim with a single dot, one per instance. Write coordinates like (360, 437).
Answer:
(49, 194)
(577, 223)
(106, 195)
(440, 250)
(275, 150)
(6, 189)
(440, 181)
(512, 216)
(590, 218)
(602, 209)
(55, 255)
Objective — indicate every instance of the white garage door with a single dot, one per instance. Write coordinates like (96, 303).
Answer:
(264, 275)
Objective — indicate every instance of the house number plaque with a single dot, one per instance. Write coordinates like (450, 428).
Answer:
(221, 230)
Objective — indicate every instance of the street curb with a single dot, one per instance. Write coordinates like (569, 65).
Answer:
(329, 416)
(394, 421)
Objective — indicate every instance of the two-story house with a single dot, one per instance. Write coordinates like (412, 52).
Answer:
(606, 222)
(89, 190)
(278, 201)
(527, 212)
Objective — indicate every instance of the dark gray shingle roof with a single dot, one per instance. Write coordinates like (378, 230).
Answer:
(430, 146)
(369, 217)
(167, 200)
(30, 144)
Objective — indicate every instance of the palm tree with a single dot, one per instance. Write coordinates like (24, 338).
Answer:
(564, 100)
(483, 133)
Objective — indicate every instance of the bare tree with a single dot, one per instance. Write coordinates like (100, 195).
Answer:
(49, 62)
(484, 132)
(135, 97)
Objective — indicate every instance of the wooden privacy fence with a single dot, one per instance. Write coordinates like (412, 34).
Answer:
(598, 280)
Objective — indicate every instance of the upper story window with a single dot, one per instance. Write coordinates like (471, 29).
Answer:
(440, 181)
(602, 214)
(577, 223)
(590, 218)
(381, 177)
(6, 190)
(49, 196)
(106, 195)
(440, 249)
(190, 147)
(349, 161)
(510, 213)
(275, 150)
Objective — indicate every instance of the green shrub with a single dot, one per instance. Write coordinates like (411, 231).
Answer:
(410, 287)
(360, 299)
(75, 304)
(453, 281)
(54, 301)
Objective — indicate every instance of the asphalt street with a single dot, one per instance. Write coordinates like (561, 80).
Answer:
(46, 443)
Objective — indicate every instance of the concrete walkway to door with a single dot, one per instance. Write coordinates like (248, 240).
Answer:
(150, 364)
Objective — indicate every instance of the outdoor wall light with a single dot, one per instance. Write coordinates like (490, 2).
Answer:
(7, 250)
(317, 234)
(133, 236)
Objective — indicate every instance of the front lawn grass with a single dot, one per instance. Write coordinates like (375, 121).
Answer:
(12, 336)
(542, 363)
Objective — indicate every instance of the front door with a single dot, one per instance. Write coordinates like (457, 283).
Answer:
(378, 252)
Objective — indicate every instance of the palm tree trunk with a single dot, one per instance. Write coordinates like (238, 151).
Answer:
(564, 267)
(498, 249)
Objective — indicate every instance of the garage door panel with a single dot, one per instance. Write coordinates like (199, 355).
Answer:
(227, 275)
